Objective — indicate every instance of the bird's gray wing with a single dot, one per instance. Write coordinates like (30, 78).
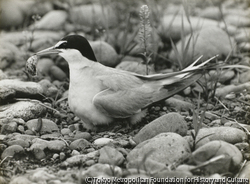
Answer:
(123, 94)
(122, 103)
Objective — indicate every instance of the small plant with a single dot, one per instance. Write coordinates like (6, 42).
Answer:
(197, 123)
(144, 34)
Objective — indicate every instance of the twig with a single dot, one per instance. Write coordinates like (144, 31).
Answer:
(221, 103)
(208, 162)
(242, 166)
(5, 159)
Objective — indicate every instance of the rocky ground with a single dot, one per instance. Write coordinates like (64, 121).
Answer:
(198, 135)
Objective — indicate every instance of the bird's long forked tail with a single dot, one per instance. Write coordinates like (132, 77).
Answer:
(177, 81)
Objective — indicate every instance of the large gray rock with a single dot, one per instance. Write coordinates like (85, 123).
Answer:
(42, 126)
(110, 155)
(166, 148)
(172, 122)
(92, 15)
(227, 134)
(23, 109)
(171, 25)
(207, 42)
(231, 161)
(104, 53)
(53, 20)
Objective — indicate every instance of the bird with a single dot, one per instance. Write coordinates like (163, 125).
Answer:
(100, 95)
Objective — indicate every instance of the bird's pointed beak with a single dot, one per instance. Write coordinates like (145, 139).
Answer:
(50, 50)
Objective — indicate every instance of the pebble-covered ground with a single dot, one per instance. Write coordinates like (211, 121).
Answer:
(199, 135)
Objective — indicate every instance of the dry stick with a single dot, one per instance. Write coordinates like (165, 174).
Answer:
(208, 162)
(221, 103)
(5, 159)
(242, 166)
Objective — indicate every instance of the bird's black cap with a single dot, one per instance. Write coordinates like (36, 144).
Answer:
(80, 43)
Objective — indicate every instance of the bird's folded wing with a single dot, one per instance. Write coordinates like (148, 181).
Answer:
(123, 103)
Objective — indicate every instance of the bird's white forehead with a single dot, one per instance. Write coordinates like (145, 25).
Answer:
(60, 42)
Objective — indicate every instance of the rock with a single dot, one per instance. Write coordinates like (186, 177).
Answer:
(53, 20)
(166, 148)
(136, 67)
(22, 109)
(103, 141)
(42, 126)
(104, 53)
(79, 159)
(237, 21)
(101, 170)
(14, 13)
(243, 35)
(57, 73)
(222, 76)
(75, 152)
(231, 161)
(38, 153)
(49, 89)
(227, 134)
(43, 66)
(50, 136)
(19, 142)
(207, 42)
(109, 155)
(20, 180)
(19, 38)
(56, 145)
(65, 131)
(3, 180)
(43, 39)
(26, 138)
(148, 164)
(171, 122)
(171, 25)
(222, 91)
(62, 156)
(243, 147)
(39, 143)
(82, 135)
(211, 12)
(79, 144)
(244, 46)
(245, 171)
(53, 145)
(19, 88)
(92, 15)
(9, 128)
(9, 54)
(20, 128)
(244, 77)
(90, 162)
(41, 175)
(179, 104)
(12, 151)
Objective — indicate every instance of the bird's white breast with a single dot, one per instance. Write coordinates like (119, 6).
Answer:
(83, 87)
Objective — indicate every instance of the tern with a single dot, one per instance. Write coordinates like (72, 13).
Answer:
(99, 95)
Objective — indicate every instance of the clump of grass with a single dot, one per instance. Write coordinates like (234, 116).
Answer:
(144, 34)
(197, 123)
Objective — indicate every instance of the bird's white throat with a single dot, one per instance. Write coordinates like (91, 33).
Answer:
(75, 59)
